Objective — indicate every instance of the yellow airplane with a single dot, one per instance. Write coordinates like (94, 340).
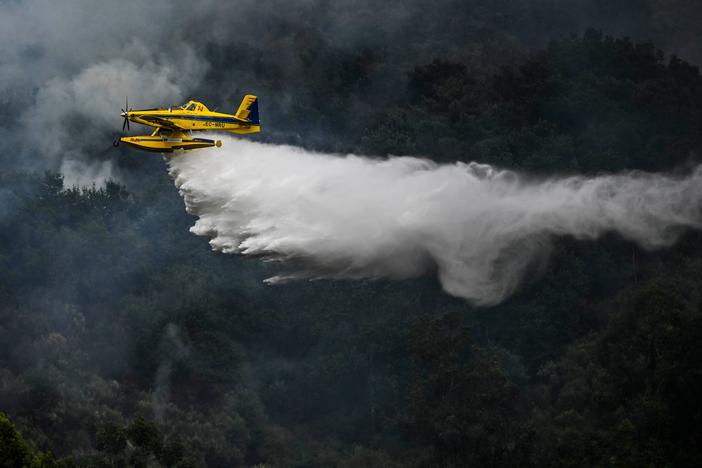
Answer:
(174, 124)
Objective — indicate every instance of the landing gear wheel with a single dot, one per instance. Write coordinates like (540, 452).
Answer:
(115, 143)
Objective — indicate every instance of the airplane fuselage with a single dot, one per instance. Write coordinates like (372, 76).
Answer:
(192, 121)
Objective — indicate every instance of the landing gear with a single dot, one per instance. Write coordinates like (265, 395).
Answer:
(115, 143)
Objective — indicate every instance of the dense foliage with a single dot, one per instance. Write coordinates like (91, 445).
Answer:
(125, 340)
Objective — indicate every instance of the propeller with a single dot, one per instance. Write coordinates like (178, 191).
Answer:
(125, 114)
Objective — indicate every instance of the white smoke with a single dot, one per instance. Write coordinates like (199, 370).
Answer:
(481, 228)
(66, 70)
(174, 350)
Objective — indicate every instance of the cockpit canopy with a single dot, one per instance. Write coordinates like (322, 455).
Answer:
(194, 105)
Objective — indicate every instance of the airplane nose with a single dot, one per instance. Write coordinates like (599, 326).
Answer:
(123, 114)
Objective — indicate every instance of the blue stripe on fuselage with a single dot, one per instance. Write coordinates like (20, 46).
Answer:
(196, 117)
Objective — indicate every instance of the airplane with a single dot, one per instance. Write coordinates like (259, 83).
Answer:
(174, 125)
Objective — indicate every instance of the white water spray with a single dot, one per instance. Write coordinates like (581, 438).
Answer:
(481, 228)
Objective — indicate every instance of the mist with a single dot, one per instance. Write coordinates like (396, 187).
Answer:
(481, 228)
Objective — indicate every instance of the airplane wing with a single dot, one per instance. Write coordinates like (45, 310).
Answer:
(160, 122)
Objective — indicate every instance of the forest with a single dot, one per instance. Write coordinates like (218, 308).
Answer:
(126, 341)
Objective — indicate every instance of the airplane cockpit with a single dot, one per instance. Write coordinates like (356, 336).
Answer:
(193, 105)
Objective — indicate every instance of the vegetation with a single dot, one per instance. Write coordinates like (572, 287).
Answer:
(126, 341)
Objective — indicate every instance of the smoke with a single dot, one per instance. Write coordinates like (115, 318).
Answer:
(66, 67)
(481, 228)
(174, 350)
(66, 70)
(74, 113)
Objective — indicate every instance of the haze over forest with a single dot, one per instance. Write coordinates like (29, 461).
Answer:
(127, 340)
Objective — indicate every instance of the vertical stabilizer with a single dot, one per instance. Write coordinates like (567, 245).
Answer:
(248, 109)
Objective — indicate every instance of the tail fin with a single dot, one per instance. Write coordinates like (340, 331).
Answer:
(248, 109)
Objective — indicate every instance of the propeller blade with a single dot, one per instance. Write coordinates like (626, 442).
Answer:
(125, 113)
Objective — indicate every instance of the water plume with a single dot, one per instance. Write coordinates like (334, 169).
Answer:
(482, 229)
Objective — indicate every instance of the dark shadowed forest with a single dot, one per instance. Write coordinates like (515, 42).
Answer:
(125, 341)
